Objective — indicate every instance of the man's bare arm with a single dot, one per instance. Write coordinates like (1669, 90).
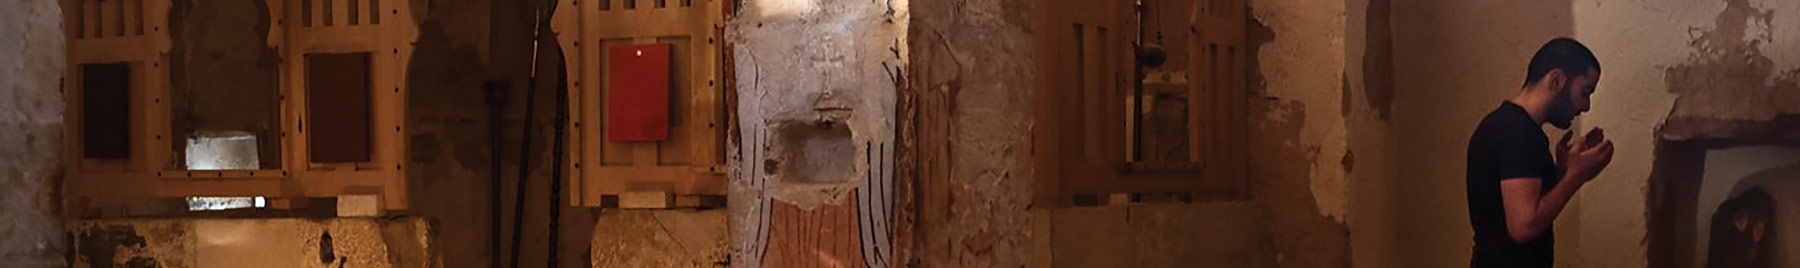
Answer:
(1528, 214)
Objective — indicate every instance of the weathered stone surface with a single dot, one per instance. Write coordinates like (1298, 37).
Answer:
(298, 243)
(816, 84)
(31, 145)
(661, 238)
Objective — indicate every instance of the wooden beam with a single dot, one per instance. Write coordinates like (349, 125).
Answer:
(646, 200)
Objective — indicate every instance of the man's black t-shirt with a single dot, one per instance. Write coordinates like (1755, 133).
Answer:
(1507, 144)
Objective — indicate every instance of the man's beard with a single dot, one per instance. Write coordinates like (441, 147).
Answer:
(1561, 113)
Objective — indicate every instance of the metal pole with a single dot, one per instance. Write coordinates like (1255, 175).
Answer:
(556, 167)
(496, 104)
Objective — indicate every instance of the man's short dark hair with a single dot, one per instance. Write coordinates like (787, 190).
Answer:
(1564, 54)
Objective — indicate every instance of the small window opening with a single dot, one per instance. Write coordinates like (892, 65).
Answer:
(216, 203)
(235, 150)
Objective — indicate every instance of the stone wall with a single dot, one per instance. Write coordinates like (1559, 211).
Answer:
(31, 112)
(252, 243)
(969, 94)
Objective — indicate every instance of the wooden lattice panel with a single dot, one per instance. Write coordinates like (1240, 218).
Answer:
(1084, 72)
(384, 30)
(135, 33)
(690, 161)
(1088, 105)
(1216, 79)
(132, 33)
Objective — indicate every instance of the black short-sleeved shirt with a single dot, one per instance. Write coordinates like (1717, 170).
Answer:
(1507, 144)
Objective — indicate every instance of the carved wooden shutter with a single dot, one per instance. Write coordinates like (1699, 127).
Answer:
(1216, 76)
(1088, 145)
(380, 33)
(1084, 75)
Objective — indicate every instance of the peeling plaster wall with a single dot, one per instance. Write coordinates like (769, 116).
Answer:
(31, 110)
(1677, 70)
(814, 63)
(1304, 63)
(1300, 129)
(807, 71)
(971, 90)
(1453, 62)
(970, 71)
(295, 243)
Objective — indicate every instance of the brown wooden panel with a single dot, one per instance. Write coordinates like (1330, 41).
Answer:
(337, 107)
(824, 236)
(106, 110)
(1190, 123)
(689, 160)
(135, 31)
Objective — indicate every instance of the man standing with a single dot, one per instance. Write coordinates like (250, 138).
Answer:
(1515, 188)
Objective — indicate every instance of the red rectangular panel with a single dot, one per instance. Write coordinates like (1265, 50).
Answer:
(337, 107)
(637, 95)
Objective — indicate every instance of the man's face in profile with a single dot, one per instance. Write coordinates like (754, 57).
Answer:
(1572, 99)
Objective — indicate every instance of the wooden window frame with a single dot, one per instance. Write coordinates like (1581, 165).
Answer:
(146, 174)
(1089, 153)
(585, 29)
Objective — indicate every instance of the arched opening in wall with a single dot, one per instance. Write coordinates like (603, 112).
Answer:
(1727, 197)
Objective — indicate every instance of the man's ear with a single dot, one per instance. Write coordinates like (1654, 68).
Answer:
(1556, 79)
